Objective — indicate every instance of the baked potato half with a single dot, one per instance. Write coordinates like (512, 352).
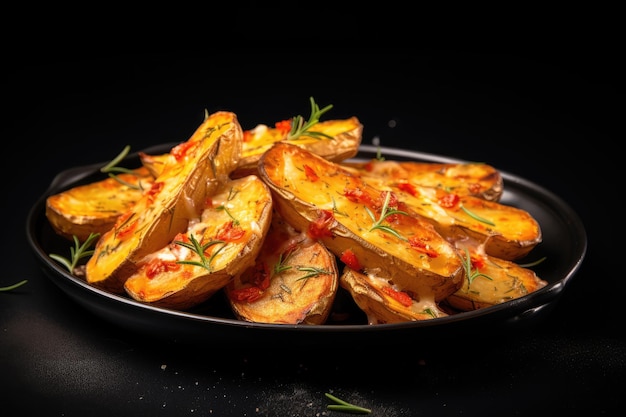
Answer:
(506, 231)
(193, 170)
(490, 280)
(472, 178)
(383, 302)
(293, 281)
(95, 207)
(359, 223)
(217, 246)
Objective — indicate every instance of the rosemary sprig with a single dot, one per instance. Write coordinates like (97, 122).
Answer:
(300, 127)
(346, 407)
(535, 263)
(471, 274)
(311, 272)
(199, 249)
(13, 286)
(112, 169)
(223, 207)
(280, 265)
(77, 252)
(384, 213)
(477, 217)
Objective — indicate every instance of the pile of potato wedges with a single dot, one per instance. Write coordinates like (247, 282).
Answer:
(279, 219)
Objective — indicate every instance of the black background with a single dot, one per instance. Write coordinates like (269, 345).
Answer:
(546, 111)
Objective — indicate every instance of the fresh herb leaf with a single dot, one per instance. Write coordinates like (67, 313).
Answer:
(13, 286)
(112, 169)
(346, 407)
(77, 252)
(199, 249)
(476, 217)
(535, 263)
(384, 213)
(471, 274)
(300, 127)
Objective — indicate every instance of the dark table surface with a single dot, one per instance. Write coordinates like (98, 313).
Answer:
(543, 117)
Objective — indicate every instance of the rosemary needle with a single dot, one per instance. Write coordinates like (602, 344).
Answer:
(344, 406)
(14, 286)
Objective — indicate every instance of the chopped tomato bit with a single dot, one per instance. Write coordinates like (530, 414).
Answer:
(321, 226)
(421, 246)
(449, 200)
(310, 174)
(230, 233)
(477, 262)
(284, 126)
(356, 195)
(154, 190)
(157, 266)
(249, 294)
(181, 151)
(247, 136)
(349, 258)
(400, 296)
(409, 188)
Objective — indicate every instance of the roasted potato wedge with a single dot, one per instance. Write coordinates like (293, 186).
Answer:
(490, 280)
(506, 231)
(228, 236)
(343, 141)
(473, 179)
(383, 302)
(358, 221)
(95, 207)
(194, 169)
(294, 280)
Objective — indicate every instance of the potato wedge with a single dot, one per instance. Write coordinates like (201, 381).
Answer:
(490, 280)
(383, 302)
(231, 230)
(473, 179)
(95, 207)
(345, 139)
(194, 170)
(294, 280)
(506, 231)
(356, 220)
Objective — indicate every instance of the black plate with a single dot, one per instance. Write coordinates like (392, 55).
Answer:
(564, 246)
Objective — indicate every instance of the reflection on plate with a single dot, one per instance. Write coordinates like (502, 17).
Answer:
(564, 245)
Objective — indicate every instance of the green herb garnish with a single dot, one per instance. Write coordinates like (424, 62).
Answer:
(346, 407)
(300, 127)
(476, 217)
(14, 286)
(535, 263)
(77, 252)
(199, 249)
(385, 212)
(471, 274)
(112, 169)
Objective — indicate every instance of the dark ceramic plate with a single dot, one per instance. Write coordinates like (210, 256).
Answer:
(564, 246)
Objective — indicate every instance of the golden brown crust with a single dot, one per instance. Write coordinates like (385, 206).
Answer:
(194, 171)
(294, 280)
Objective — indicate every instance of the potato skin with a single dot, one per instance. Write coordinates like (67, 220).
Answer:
(193, 170)
(95, 207)
(346, 137)
(383, 302)
(471, 178)
(506, 231)
(317, 196)
(233, 225)
(294, 280)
